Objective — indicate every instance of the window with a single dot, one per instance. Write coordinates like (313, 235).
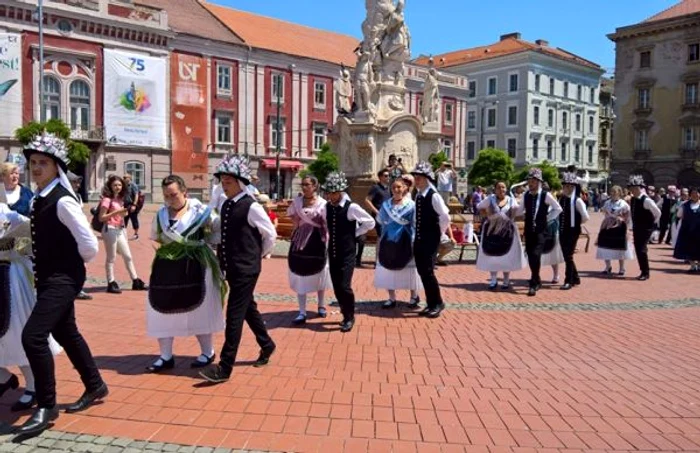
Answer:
(52, 98)
(551, 85)
(578, 122)
(590, 154)
(691, 93)
(566, 89)
(223, 127)
(563, 152)
(564, 120)
(447, 147)
(512, 143)
(537, 82)
(223, 83)
(592, 96)
(491, 118)
(79, 105)
(579, 93)
(512, 115)
(693, 52)
(319, 95)
(319, 136)
(471, 119)
(277, 87)
(591, 124)
(603, 137)
(276, 135)
(490, 143)
(493, 85)
(471, 150)
(536, 115)
(691, 138)
(513, 83)
(577, 152)
(535, 148)
(645, 59)
(643, 98)
(641, 140)
(550, 150)
(472, 89)
(550, 118)
(137, 170)
(449, 109)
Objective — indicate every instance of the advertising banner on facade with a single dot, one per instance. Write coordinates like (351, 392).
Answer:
(10, 83)
(190, 119)
(135, 106)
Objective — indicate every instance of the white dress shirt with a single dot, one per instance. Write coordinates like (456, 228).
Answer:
(554, 208)
(651, 206)
(258, 218)
(583, 210)
(71, 215)
(440, 208)
(365, 222)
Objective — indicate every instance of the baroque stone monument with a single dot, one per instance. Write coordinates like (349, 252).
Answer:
(379, 123)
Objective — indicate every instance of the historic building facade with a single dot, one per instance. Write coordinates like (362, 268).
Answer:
(607, 117)
(657, 75)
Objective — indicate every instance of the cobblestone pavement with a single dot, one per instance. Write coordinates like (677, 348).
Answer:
(613, 365)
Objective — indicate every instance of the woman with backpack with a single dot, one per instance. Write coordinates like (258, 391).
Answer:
(111, 214)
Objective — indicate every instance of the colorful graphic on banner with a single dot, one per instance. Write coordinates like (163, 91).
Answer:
(10, 83)
(135, 101)
(189, 119)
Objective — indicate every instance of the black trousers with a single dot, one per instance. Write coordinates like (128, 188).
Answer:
(134, 217)
(641, 240)
(341, 277)
(425, 255)
(534, 246)
(568, 240)
(54, 313)
(664, 227)
(242, 307)
(360, 248)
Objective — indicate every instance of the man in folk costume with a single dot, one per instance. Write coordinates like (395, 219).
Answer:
(62, 241)
(247, 235)
(540, 208)
(574, 214)
(345, 221)
(645, 215)
(187, 289)
(432, 220)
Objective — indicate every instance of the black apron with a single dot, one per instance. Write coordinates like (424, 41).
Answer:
(613, 238)
(497, 244)
(312, 259)
(395, 256)
(5, 298)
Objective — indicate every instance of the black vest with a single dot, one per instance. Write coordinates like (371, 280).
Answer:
(427, 222)
(241, 244)
(342, 243)
(565, 216)
(535, 222)
(56, 257)
(642, 218)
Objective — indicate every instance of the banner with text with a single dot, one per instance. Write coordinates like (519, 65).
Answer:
(189, 120)
(10, 83)
(135, 106)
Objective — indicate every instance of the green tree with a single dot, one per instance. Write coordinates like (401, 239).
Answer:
(492, 165)
(436, 159)
(550, 174)
(78, 152)
(327, 161)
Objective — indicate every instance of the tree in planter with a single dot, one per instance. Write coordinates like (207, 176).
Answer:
(491, 166)
(78, 153)
(550, 174)
(327, 161)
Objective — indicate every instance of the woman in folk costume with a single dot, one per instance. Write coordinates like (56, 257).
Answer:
(17, 300)
(396, 267)
(675, 220)
(552, 254)
(613, 243)
(501, 249)
(687, 246)
(187, 287)
(308, 256)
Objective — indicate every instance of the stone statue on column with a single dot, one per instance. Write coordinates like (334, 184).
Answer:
(431, 97)
(343, 92)
(364, 83)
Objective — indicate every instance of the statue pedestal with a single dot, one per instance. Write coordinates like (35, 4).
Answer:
(390, 101)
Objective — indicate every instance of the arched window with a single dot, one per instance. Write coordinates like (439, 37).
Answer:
(52, 97)
(79, 105)
(137, 170)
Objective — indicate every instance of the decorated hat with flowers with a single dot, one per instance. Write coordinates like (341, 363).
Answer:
(50, 145)
(423, 168)
(636, 181)
(570, 179)
(235, 165)
(535, 173)
(335, 182)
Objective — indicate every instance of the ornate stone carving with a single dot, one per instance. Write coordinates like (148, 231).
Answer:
(343, 92)
(431, 97)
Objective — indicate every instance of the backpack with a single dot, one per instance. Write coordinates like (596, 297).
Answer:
(96, 223)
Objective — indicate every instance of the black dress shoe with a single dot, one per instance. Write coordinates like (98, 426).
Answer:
(264, 357)
(424, 312)
(347, 325)
(38, 422)
(643, 277)
(19, 406)
(215, 374)
(435, 311)
(88, 399)
(113, 288)
(11, 383)
(202, 363)
(566, 286)
(532, 292)
(163, 365)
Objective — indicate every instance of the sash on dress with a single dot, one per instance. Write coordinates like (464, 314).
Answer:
(5, 298)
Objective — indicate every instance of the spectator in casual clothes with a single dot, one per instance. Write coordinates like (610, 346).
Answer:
(445, 177)
(476, 199)
(75, 182)
(377, 195)
(133, 202)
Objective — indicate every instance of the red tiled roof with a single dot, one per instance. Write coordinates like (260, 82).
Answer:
(507, 46)
(285, 37)
(682, 8)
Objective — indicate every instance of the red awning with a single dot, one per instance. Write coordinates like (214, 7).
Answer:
(285, 164)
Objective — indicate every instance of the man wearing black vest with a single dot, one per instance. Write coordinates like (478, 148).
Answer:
(432, 220)
(540, 208)
(346, 221)
(645, 214)
(247, 235)
(574, 214)
(62, 242)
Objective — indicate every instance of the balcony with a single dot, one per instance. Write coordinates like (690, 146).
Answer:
(691, 106)
(92, 5)
(642, 154)
(689, 152)
(88, 134)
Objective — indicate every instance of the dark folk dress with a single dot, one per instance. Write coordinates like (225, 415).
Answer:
(688, 242)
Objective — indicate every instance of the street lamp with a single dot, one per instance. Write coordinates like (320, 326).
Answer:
(278, 150)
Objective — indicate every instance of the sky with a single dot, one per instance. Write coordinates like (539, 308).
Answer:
(439, 26)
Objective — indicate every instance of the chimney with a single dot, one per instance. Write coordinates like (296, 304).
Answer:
(515, 35)
(542, 43)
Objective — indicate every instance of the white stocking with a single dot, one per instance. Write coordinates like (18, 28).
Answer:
(166, 348)
(206, 344)
(392, 294)
(302, 303)
(321, 298)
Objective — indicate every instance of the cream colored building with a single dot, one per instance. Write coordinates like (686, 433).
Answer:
(657, 76)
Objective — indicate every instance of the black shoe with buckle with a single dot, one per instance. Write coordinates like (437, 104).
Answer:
(113, 288)
(88, 399)
(215, 374)
(199, 363)
(493, 286)
(138, 285)
(20, 405)
(161, 364)
(389, 304)
(38, 422)
(264, 357)
(347, 325)
(413, 304)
